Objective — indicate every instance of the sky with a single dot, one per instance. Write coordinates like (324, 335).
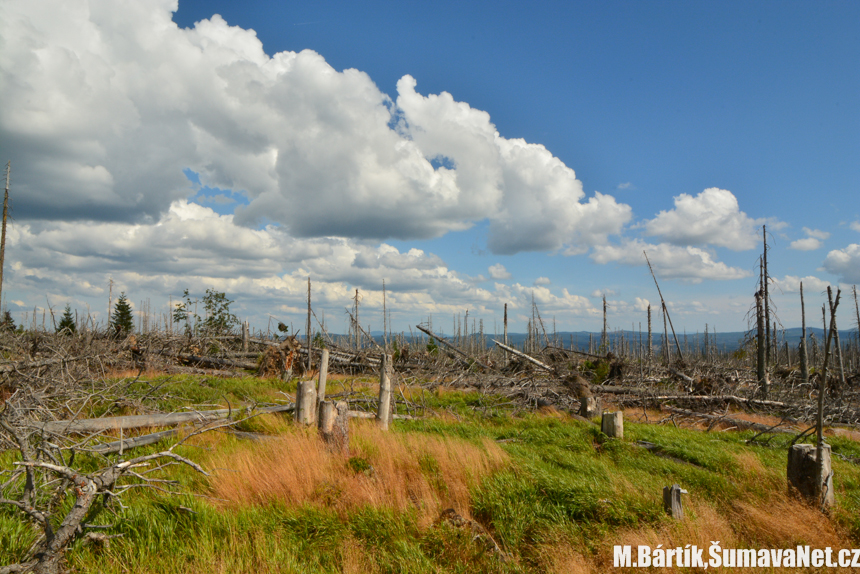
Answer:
(468, 155)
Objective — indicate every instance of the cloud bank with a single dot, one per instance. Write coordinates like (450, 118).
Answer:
(107, 103)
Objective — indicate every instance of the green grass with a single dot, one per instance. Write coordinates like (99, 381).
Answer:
(566, 483)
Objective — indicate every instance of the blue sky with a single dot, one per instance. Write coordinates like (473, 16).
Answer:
(167, 154)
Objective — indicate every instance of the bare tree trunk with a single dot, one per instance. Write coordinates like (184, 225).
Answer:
(766, 296)
(665, 312)
(3, 234)
(804, 356)
(761, 372)
(838, 349)
(821, 390)
(383, 414)
(666, 351)
(650, 340)
(506, 333)
(308, 328)
(384, 320)
(603, 343)
(857, 310)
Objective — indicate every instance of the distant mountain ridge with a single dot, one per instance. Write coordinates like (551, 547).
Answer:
(729, 341)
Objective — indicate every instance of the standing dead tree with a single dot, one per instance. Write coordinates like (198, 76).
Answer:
(3, 233)
(665, 309)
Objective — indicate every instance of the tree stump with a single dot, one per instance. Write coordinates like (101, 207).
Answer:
(383, 414)
(589, 407)
(612, 424)
(334, 425)
(323, 376)
(804, 477)
(306, 402)
(672, 501)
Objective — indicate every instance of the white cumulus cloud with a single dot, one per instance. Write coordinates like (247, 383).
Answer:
(814, 240)
(498, 271)
(105, 104)
(806, 244)
(845, 263)
(711, 218)
(669, 261)
(791, 284)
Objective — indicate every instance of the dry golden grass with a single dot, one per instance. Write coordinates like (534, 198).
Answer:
(564, 558)
(355, 558)
(778, 522)
(406, 470)
(134, 373)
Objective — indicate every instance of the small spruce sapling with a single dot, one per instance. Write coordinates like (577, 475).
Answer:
(123, 317)
(67, 321)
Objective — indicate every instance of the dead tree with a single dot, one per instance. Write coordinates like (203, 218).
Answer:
(3, 236)
(804, 356)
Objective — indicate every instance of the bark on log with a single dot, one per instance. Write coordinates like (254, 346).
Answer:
(141, 421)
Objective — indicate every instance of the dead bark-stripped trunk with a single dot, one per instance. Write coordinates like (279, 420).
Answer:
(665, 313)
(308, 328)
(506, 333)
(804, 357)
(666, 350)
(650, 340)
(603, 343)
(819, 451)
(3, 233)
(761, 343)
(838, 352)
(766, 295)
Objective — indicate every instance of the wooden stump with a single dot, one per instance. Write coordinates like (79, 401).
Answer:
(306, 399)
(588, 407)
(803, 474)
(383, 414)
(672, 501)
(245, 337)
(612, 424)
(334, 425)
(323, 376)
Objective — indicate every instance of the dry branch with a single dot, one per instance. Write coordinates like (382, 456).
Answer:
(528, 358)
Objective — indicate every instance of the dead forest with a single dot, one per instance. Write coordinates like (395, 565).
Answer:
(66, 398)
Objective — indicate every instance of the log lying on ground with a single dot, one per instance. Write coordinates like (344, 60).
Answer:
(528, 358)
(133, 442)
(142, 421)
(215, 362)
(368, 415)
(641, 395)
(740, 423)
(452, 347)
